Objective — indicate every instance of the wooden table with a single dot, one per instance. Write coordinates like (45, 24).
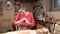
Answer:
(22, 32)
(39, 31)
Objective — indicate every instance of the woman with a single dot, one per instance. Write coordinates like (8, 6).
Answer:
(24, 19)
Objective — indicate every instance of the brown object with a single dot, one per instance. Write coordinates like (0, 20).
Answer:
(39, 26)
(57, 21)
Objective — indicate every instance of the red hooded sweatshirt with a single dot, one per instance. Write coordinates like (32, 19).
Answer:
(29, 17)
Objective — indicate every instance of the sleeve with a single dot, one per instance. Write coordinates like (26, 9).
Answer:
(24, 23)
(32, 20)
(16, 19)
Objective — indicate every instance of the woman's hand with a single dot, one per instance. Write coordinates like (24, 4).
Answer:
(18, 22)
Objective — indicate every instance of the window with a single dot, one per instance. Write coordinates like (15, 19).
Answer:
(55, 4)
